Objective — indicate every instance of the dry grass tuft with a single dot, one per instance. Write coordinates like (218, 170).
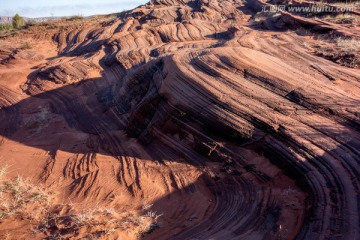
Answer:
(348, 44)
(21, 198)
(342, 50)
(96, 223)
(345, 18)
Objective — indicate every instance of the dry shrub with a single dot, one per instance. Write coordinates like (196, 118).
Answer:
(348, 44)
(345, 18)
(345, 52)
(20, 199)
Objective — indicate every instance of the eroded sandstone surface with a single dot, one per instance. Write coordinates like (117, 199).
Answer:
(232, 131)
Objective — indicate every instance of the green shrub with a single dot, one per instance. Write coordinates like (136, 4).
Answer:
(18, 21)
(5, 26)
(75, 17)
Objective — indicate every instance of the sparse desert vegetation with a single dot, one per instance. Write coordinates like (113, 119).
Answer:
(75, 17)
(336, 45)
(5, 27)
(343, 50)
(344, 18)
(21, 198)
(181, 120)
(19, 25)
(96, 223)
(37, 206)
(348, 44)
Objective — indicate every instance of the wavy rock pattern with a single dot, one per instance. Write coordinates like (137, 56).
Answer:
(268, 132)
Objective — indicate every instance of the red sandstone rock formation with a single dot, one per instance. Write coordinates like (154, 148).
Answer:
(233, 131)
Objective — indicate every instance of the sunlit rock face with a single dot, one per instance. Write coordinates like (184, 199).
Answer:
(233, 131)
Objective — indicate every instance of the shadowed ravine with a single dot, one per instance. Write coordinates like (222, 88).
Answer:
(233, 132)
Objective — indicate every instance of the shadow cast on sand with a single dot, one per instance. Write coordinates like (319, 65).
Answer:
(55, 113)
